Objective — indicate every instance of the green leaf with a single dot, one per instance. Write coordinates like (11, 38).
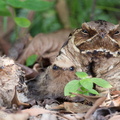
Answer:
(15, 3)
(93, 91)
(81, 75)
(84, 91)
(4, 12)
(71, 87)
(31, 60)
(2, 4)
(101, 82)
(86, 83)
(36, 5)
(22, 22)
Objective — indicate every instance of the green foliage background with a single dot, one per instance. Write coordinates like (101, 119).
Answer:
(79, 11)
(46, 16)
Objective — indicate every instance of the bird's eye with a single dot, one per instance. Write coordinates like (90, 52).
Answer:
(71, 68)
(117, 32)
(55, 67)
(84, 31)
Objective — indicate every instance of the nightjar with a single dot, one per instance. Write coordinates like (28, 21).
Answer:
(94, 48)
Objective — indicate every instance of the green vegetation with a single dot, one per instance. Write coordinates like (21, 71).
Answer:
(6, 6)
(18, 10)
(31, 60)
(87, 10)
(46, 16)
(84, 85)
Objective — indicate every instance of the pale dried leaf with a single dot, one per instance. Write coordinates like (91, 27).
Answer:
(10, 74)
(36, 111)
(116, 117)
(18, 116)
(48, 117)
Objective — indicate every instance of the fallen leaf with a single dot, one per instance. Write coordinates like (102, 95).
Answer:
(116, 117)
(36, 111)
(45, 45)
(76, 107)
(10, 77)
(17, 116)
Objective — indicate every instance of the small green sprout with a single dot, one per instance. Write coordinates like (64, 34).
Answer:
(84, 85)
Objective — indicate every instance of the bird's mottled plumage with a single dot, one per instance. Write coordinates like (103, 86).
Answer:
(94, 48)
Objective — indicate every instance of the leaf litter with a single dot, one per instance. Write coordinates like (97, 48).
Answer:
(15, 107)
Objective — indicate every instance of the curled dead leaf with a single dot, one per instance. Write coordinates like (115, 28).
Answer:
(45, 45)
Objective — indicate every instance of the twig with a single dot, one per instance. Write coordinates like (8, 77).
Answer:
(89, 98)
(93, 108)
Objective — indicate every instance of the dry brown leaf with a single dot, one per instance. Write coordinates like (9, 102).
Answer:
(115, 92)
(45, 45)
(36, 111)
(76, 107)
(112, 100)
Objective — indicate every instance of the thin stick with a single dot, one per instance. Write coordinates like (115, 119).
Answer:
(94, 107)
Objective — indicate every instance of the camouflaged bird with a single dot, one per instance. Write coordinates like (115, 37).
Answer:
(93, 48)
